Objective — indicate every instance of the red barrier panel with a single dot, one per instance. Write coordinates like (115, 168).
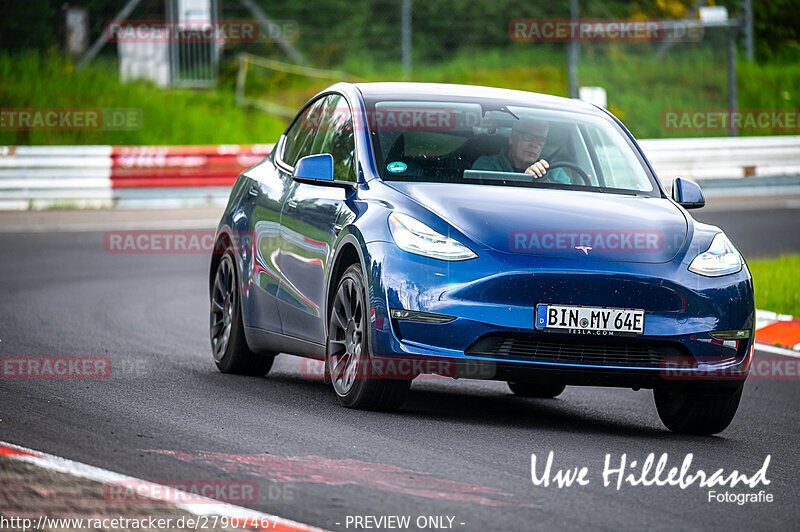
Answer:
(182, 166)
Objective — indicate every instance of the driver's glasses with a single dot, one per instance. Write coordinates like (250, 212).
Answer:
(528, 137)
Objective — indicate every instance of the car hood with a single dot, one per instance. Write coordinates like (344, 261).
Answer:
(557, 223)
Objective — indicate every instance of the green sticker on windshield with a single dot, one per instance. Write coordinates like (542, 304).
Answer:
(397, 167)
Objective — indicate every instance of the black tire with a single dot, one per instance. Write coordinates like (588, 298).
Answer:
(536, 389)
(228, 343)
(697, 412)
(348, 360)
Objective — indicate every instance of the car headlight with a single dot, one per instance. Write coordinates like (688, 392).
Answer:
(415, 237)
(721, 258)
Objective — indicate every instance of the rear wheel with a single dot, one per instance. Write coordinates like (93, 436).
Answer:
(348, 361)
(697, 412)
(536, 389)
(228, 344)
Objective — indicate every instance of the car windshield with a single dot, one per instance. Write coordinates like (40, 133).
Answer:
(493, 143)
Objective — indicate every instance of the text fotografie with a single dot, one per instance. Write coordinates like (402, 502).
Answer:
(647, 473)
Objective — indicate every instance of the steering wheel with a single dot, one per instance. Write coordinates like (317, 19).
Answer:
(572, 166)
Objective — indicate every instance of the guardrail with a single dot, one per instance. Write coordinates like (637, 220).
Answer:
(35, 177)
(46, 176)
(121, 176)
(723, 157)
(179, 176)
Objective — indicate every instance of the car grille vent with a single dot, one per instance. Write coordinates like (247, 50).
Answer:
(572, 351)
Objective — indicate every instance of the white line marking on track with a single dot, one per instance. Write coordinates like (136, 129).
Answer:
(777, 350)
(212, 507)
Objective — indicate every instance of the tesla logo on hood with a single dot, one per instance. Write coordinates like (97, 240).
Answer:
(585, 249)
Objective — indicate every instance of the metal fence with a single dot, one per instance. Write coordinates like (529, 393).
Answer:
(194, 62)
(373, 33)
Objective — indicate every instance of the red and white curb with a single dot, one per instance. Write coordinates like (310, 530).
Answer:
(777, 333)
(243, 517)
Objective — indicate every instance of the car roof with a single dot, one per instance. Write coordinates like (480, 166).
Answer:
(420, 91)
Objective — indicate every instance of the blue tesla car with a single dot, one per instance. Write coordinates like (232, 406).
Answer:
(404, 229)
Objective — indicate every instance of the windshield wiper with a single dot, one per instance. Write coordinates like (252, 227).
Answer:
(619, 191)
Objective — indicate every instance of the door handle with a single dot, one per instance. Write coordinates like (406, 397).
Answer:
(253, 190)
(291, 203)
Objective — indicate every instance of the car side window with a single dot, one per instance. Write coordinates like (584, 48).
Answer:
(337, 139)
(300, 137)
(324, 127)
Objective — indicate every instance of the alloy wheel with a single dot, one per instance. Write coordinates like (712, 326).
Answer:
(222, 305)
(346, 343)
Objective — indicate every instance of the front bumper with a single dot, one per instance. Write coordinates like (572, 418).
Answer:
(494, 296)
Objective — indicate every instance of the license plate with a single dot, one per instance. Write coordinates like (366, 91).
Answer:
(589, 320)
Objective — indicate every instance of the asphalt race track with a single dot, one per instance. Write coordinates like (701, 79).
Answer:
(458, 448)
(759, 226)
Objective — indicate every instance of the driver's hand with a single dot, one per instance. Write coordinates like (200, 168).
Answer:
(538, 169)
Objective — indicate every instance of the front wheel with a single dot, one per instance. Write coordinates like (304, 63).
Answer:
(228, 344)
(697, 412)
(353, 375)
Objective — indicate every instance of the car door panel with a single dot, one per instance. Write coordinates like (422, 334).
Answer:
(307, 236)
(268, 188)
(308, 225)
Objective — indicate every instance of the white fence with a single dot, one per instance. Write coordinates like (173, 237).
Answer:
(96, 176)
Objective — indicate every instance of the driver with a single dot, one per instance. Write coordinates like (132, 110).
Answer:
(525, 147)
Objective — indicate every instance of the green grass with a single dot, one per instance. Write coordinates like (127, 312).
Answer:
(639, 86)
(171, 116)
(777, 284)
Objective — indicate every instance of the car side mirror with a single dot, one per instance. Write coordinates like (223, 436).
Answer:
(313, 168)
(687, 193)
(318, 170)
